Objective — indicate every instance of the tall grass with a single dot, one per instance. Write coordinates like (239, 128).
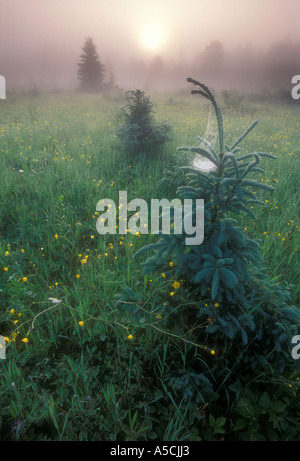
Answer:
(58, 158)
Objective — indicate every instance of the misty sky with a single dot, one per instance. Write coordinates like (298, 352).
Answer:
(45, 37)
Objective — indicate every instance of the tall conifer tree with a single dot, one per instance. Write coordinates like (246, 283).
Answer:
(91, 71)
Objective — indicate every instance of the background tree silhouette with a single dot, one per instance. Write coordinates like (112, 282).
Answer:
(91, 71)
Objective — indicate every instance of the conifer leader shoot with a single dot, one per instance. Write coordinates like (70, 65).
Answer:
(191, 213)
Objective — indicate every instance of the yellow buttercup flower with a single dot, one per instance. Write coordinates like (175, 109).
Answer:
(24, 340)
(130, 337)
(176, 285)
(81, 323)
(24, 279)
(212, 352)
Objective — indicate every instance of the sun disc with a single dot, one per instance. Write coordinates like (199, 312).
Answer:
(152, 38)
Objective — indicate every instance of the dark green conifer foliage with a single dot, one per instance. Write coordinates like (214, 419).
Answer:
(91, 71)
(225, 273)
(219, 267)
(139, 133)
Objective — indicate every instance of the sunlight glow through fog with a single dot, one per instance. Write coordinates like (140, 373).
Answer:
(41, 41)
(153, 37)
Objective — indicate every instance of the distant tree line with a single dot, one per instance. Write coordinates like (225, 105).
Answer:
(242, 68)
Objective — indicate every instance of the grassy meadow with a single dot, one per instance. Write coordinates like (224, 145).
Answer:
(78, 366)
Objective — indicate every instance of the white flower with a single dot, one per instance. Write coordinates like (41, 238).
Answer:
(55, 300)
(21, 171)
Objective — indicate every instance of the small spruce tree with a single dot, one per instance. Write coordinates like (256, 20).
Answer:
(224, 275)
(139, 133)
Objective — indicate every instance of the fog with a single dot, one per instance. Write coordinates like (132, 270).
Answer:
(249, 44)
